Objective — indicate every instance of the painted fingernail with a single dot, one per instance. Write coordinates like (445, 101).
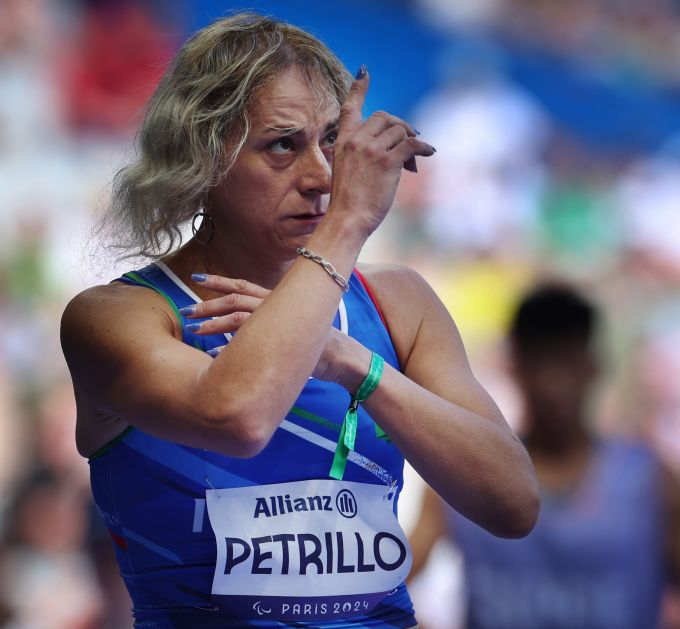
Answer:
(188, 310)
(193, 327)
(213, 352)
(199, 277)
(434, 150)
(361, 72)
(416, 131)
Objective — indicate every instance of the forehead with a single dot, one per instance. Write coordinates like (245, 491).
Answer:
(288, 101)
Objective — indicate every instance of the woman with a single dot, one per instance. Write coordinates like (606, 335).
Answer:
(244, 489)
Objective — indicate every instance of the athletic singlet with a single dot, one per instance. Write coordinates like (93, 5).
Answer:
(593, 561)
(206, 540)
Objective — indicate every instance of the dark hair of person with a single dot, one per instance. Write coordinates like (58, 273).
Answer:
(552, 313)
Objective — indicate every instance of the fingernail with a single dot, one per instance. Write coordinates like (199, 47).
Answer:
(193, 327)
(199, 277)
(188, 310)
(433, 149)
(213, 352)
(416, 130)
(361, 72)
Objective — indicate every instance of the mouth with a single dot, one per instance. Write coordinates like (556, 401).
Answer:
(309, 217)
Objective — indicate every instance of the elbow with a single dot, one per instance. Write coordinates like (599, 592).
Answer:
(524, 518)
(520, 513)
(238, 433)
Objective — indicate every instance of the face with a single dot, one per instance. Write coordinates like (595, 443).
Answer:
(555, 382)
(277, 191)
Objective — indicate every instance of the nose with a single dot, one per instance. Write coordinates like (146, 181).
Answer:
(315, 175)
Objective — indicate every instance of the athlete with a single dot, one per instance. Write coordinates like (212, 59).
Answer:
(246, 401)
(606, 547)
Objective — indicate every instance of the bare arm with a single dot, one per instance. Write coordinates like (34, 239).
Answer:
(441, 418)
(434, 409)
(671, 494)
(429, 527)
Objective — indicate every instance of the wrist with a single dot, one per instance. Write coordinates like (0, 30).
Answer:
(342, 225)
(352, 367)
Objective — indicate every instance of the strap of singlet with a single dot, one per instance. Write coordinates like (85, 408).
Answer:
(371, 296)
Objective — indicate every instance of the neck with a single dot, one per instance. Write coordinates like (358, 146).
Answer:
(556, 442)
(228, 260)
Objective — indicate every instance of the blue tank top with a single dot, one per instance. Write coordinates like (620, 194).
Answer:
(160, 502)
(593, 561)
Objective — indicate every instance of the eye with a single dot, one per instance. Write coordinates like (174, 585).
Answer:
(330, 139)
(282, 146)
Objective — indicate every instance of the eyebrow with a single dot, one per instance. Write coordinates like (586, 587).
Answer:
(292, 129)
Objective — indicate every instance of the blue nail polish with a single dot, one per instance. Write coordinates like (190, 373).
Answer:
(213, 352)
(361, 72)
(199, 277)
(188, 310)
(193, 327)
(416, 131)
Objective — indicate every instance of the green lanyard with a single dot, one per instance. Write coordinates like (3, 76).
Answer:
(348, 432)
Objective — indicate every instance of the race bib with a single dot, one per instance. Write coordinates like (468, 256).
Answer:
(308, 550)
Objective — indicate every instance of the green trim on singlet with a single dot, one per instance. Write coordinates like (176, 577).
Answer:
(300, 412)
(140, 280)
(107, 446)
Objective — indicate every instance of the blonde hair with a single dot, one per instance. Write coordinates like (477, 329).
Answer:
(197, 122)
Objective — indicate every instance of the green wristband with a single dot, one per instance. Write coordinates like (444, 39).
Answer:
(348, 432)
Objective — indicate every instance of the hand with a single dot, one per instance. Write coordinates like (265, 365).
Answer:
(240, 299)
(368, 158)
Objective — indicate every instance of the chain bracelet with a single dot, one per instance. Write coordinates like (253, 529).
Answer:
(327, 266)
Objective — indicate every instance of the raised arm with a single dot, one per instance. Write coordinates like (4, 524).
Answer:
(123, 348)
(440, 417)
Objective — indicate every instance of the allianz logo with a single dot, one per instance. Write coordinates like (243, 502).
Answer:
(272, 506)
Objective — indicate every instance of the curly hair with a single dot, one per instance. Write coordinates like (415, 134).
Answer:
(197, 121)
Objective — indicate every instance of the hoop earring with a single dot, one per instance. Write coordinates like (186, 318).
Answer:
(207, 224)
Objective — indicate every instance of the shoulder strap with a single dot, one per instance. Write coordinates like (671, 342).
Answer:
(371, 295)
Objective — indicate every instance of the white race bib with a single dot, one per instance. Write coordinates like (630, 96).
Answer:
(316, 549)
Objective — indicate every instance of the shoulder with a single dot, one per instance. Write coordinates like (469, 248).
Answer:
(397, 286)
(630, 451)
(392, 275)
(404, 297)
(101, 313)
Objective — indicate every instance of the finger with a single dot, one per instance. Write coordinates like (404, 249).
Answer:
(232, 302)
(379, 121)
(230, 285)
(410, 165)
(350, 112)
(219, 325)
(390, 138)
(408, 149)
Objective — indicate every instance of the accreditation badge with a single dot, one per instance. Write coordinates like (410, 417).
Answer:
(307, 550)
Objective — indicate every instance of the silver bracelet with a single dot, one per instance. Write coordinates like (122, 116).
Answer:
(327, 266)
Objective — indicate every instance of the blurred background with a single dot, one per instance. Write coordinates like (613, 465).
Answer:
(557, 128)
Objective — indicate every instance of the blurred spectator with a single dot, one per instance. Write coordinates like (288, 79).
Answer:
(482, 190)
(113, 64)
(576, 223)
(28, 116)
(607, 542)
(648, 197)
(46, 577)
